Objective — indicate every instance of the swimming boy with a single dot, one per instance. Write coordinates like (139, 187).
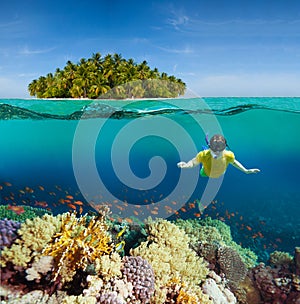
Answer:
(215, 160)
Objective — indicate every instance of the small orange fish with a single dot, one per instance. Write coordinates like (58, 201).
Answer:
(41, 204)
(69, 197)
(249, 228)
(72, 206)
(260, 234)
(16, 209)
(79, 203)
(7, 184)
(191, 205)
(41, 188)
(80, 209)
(128, 220)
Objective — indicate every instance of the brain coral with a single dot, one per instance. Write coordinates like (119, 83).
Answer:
(231, 265)
(167, 250)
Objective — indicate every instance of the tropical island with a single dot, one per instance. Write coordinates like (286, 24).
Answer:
(108, 77)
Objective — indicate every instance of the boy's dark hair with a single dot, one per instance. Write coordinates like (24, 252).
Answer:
(217, 143)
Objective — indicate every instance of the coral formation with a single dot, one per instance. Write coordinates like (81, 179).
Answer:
(231, 265)
(34, 236)
(279, 258)
(214, 232)
(297, 260)
(167, 250)
(8, 232)
(77, 244)
(28, 213)
(108, 266)
(218, 294)
(140, 274)
(39, 267)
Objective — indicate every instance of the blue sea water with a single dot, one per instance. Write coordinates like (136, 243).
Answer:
(124, 153)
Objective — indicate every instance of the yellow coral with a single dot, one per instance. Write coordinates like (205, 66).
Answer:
(78, 243)
(167, 250)
(109, 266)
(185, 298)
(35, 234)
(79, 300)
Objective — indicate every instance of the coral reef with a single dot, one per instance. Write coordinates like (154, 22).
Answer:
(74, 259)
(8, 232)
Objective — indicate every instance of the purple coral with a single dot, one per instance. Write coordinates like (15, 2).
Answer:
(8, 232)
(110, 297)
(272, 287)
(140, 274)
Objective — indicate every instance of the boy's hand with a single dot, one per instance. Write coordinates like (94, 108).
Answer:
(250, 171)
(181, 165)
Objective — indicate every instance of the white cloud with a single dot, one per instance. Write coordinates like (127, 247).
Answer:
(246, 85)
(27, 51)
(186, 50)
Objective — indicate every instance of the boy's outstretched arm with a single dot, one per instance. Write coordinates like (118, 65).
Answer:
(190, 164)
(239, 166)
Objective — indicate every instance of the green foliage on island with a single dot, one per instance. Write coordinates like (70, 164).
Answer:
(106, 77)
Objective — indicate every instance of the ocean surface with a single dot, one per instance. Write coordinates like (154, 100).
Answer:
(124, 153)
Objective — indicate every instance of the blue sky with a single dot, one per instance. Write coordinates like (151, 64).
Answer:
(218, 48)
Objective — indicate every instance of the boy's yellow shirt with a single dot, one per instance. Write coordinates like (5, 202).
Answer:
(215, 167)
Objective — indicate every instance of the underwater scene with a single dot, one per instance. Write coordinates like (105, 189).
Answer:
(94, 209)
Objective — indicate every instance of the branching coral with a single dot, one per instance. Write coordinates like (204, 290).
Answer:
(78, 244)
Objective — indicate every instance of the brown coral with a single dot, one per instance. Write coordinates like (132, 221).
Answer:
(231, 265)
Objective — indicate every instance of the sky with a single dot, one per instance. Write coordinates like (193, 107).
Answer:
(217, 47)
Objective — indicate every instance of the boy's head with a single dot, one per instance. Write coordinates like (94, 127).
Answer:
(217, 144)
